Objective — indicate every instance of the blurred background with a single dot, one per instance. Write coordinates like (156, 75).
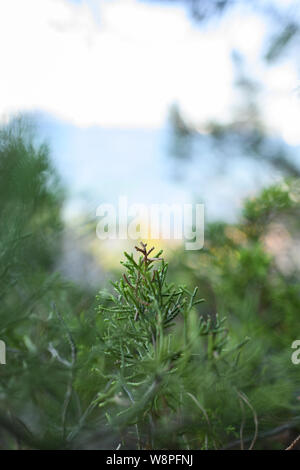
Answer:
(170, 101)
(163, 101)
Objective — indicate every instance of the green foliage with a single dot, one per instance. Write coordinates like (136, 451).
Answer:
(151, 366)
(31, 200)
(243, 279)
(30, 222)
(164, 361)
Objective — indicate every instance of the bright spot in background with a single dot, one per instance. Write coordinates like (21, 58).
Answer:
(122, 63)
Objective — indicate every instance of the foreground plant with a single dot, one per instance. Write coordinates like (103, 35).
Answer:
(163, 360)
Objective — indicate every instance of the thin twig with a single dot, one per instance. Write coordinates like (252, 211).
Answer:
(263, 435)
(136, 425)
(69, 390)
(204, 412)
(294, 443)
(242, 423)
(244, 397)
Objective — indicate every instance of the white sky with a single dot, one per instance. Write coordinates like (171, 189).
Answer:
(123, 63)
